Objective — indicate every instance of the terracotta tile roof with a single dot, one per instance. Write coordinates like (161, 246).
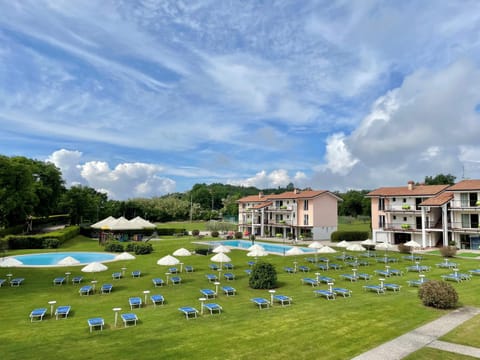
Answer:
(418, 190)
(438, 200)
(465, 185)
(262, 205)
(300, 194)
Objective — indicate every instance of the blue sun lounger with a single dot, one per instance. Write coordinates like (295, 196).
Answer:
(86, 290)
(323, 266)
(251, 263)
(325, 279)
(393, 287)
(229, 291)
(213, 267)
(417, 282)
(283, 299)
(135, 301)
(106, 288)
(37, 314)
(329, 295)
(173, 270)
(375, 288)
(229, 276)
(62, 311)
(213, 308)
(208, 293)
(350, 277)
(364, 276)
(16, 282)
(261, 303)
(473, 272)
(189, 268)
(189, 312)
(58, 281)
(116, 275)
(310, 281)
(289, 269)
(95, 323)
(176, 280)
(77, 279)
(136, 273)
(342, 291)
(418, 268)
(303, 268)
(158, 282)
(211, 277)
(248, 271)
(2, 281)
(228, 266)
(157, 300)
(129, 318)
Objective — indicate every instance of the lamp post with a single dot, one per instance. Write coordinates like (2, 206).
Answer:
(216, 283)
(123, 271)
(116, 310)
(67, 274)
(94, 282)
(318, 276)
(168, 276)
(330, 287)
(422, 278)
(381, 282)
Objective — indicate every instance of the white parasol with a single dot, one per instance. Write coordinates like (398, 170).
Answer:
(256, 247)
(221, 258)
(343, 244)
(124, 256)
(221, 249)
(315, 245)
(412, 244)
(182, 252)
(355, 247)
(326, 250)
(68, 261)
(168, 260)
(10, 262)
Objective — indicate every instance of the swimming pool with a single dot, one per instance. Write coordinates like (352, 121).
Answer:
(52, 259)
(278, 249)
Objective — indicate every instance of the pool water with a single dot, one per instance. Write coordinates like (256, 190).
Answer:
(52, 259)
(271, 248)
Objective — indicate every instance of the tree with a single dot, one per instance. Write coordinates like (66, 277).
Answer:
(82, 203)
(440, 179)
(354, 203)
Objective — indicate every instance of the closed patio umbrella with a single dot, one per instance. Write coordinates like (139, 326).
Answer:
(10, 262)
(124, 256)
(182, 252)
(168, 260)
(221, 249)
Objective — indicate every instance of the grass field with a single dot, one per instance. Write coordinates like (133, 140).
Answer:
(310, 327)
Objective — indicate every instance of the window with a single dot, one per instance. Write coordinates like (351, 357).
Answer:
(394, 199)
(305, 219)
(404, 200)
(305, 205)
(381, 221)
(464, 199)
(394, 217)
(381, 204)
(404, 219)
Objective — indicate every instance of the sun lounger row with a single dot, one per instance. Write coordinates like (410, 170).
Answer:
(39, 313)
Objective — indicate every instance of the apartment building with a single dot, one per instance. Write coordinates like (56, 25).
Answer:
(299, 213)
(432, 215)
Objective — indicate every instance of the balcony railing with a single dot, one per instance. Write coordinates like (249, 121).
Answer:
(458, 204)
(402, 208)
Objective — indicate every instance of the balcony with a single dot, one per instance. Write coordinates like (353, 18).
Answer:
(404, 208)
(459, 226)
(401, 227)
(465, 205)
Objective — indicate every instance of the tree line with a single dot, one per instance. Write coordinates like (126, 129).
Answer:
(31, 189)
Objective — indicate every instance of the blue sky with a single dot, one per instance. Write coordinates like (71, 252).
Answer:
(144, 98)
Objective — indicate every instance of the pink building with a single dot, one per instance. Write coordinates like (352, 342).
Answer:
(298, 213)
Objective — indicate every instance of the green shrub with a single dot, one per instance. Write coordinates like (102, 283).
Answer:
(195, 232)
(203, 251)
(438, 294)
(338, 236)
(170, 231)
(51, 243)
(36, 241)
(448, 251)
(263, 276)
(114, 246)
(214, 234)
(139, 248)
(238, 235)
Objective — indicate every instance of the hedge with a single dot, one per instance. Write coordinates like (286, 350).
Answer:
(338, 236)
(38, 241)
(170, 231)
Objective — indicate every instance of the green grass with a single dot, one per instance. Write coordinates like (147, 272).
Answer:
(430, 353)
(337, 329)
(189, 226)
(465, 334)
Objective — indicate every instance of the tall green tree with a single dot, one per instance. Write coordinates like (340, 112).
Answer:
(82, 203)
(440, 179)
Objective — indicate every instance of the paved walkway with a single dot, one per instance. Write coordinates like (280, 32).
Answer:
(426, 335)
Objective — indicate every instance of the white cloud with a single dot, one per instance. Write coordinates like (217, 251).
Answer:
(338, 157)
(126, 180)
(273, 179)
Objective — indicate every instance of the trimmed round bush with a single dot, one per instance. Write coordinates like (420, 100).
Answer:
(263, 276)
(438, 294)
(238, 235)
(448, 251)
(113, 247)
(139, 248)
(214, 234)
(195, 232)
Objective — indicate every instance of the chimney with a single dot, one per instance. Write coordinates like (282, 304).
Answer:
(260, 194)
(410, 185)
(296, 191)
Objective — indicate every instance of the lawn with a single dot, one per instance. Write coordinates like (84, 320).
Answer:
(310, 327)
